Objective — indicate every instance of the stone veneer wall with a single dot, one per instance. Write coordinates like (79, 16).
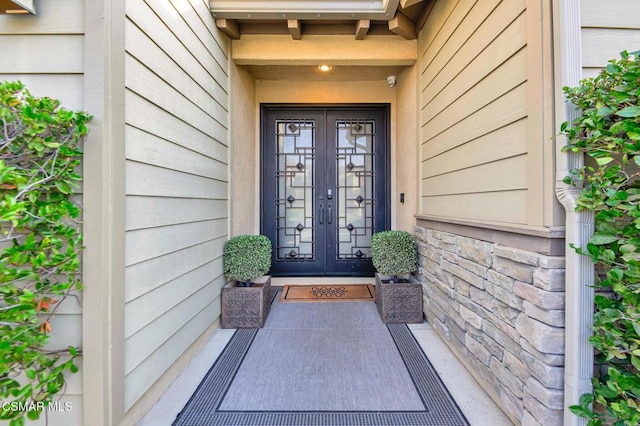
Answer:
(501, 310)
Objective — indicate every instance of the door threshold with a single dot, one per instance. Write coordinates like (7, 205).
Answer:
(282, 281)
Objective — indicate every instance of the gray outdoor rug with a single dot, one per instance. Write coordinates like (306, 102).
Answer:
(322, 364)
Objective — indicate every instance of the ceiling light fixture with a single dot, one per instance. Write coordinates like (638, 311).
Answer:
(324, 68)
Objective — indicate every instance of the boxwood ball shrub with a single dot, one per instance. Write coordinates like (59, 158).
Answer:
(247, 257)
(394, 252)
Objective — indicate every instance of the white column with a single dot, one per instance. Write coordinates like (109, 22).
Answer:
(579, 226)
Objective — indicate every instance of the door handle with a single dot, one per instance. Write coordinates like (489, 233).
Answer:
(321, 213)
(330, 214)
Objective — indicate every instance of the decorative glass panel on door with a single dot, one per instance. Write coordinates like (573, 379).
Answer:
(355, 157)
(295, 177)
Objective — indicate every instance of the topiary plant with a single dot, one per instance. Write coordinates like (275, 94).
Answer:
(608, 131)
(394, 253)
(247, 257)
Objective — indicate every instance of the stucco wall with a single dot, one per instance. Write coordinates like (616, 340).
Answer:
(46, 53)
(608, 28)
(177, 114)
(244, 159)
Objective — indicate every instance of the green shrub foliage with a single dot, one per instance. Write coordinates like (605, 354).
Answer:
(247, 257)
(394, 252)
(39, 244)
(609, 132)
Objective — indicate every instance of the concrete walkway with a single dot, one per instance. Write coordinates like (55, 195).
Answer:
(476, 405)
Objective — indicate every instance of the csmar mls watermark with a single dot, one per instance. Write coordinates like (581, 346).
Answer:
(63, 406)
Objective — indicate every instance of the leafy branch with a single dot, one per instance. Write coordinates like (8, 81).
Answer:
(40, 242)
(608, 133)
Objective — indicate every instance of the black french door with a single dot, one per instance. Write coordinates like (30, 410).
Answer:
(324, 187)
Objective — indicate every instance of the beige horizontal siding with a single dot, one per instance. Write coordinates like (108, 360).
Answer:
(497, 83)
(149, 85)
(507, 141)
(501, 112)
(156, 303)
(144, 179)
(501, 175)
(149, 212)
(150, 149)
(148, 275)
(46, 53)
(474, 86)
(608, 28)
(479, 41)
(479, 206)
(449, 37)
(610, 14)
(461, 74)
(145, 115)
(42, 53)
(160, 23)
(602, 44)
(145, 374)
(67, 88)
(156, 333)
(177, 174)
(53, 17)
(149, 243)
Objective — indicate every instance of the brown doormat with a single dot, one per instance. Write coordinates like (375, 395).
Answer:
(328, 293)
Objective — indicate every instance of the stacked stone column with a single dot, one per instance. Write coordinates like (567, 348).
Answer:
(501, 310)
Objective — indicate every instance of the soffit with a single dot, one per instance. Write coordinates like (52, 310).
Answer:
(309, 9)
(319, 17)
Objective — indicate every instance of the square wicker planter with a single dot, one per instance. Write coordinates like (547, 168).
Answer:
(399, 302)
(246, 307)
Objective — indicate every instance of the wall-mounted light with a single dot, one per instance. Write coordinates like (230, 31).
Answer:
(324, 68)
(17, 7)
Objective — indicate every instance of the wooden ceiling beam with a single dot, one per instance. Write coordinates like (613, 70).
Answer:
(362, 28)
(228, 27)
(403, 26)
(408, 3)
(295, 28)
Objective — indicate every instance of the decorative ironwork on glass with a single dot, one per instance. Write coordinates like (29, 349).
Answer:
(295, 177)
(355, 157)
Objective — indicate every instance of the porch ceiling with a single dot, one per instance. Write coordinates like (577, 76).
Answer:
(298, 18)
(310, 73)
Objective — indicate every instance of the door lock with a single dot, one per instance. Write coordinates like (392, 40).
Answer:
(329, 194)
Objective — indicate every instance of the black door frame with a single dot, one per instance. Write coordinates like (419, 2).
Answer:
(384, 180)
